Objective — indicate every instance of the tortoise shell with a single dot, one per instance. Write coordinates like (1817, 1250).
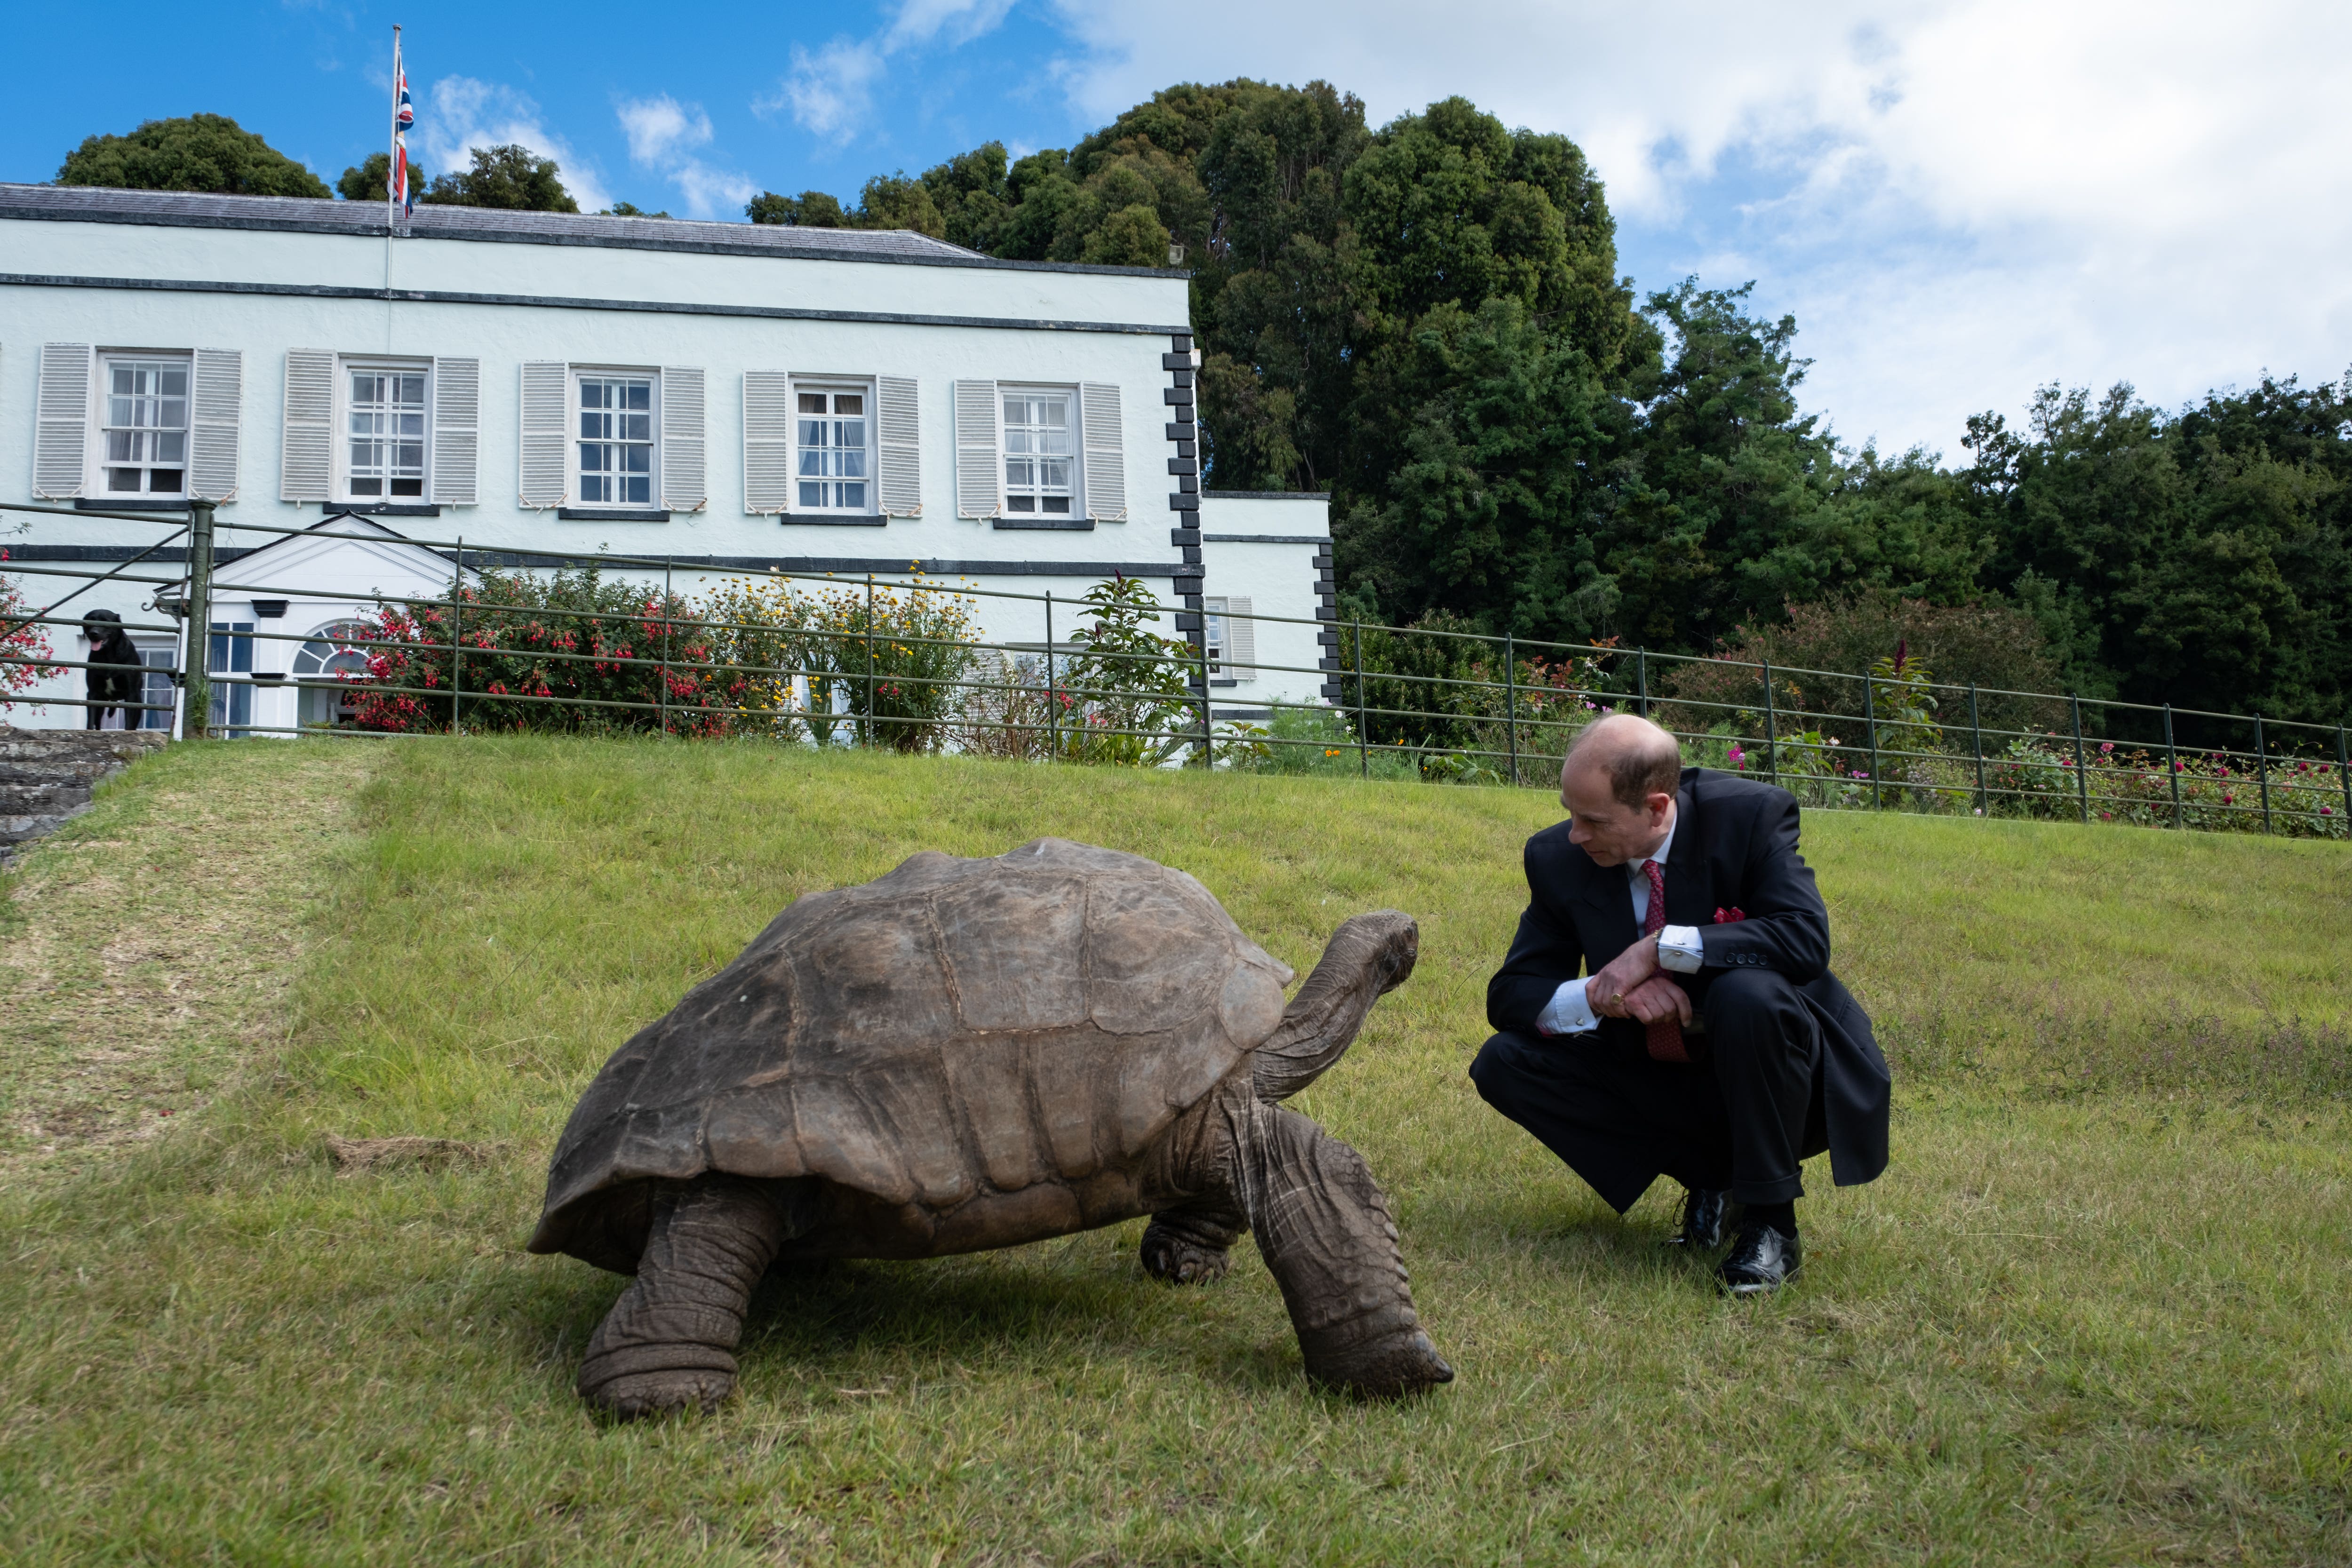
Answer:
(960, 1040)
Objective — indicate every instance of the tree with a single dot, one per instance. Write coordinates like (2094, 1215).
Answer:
(629, 210)
(207, 152)
(810, 209)
(371, 181)
(510, 176)
(897, 202)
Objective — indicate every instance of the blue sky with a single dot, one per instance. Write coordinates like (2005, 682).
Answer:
(1958, 199)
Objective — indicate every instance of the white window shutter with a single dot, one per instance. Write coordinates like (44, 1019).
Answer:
(684, 480)
(1105, 445)
(457, 430)
(767, 442)
(898, 426)
(546, 434)
(979, 476)
(214, 413)
(305, 455)
(61, 431)
(1241, 640)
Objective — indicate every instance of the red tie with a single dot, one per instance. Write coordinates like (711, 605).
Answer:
(1666, 1042)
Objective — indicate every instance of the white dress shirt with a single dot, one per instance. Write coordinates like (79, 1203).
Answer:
(1680, 948)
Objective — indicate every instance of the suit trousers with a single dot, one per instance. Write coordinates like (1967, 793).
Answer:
(1742, 1113)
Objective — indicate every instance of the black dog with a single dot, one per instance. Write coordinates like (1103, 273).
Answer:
(111, 687)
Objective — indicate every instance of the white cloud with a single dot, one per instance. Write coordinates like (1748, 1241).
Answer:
(662, 128)
(1957, 198)
(663, 134)
(830, 92)
(466, 114)
(953, 21)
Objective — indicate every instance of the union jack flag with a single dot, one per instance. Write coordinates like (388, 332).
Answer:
(404, 194)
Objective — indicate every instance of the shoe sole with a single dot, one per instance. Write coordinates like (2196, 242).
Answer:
(1757, 1288)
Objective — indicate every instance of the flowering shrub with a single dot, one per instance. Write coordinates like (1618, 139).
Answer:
(2220, 791)
(1124, 698)
(570, 652)
(23, 646)
(782, 639)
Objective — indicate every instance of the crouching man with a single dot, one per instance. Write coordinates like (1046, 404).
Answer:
(1710, 1041)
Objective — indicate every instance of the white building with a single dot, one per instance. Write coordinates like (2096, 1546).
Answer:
(723, 398)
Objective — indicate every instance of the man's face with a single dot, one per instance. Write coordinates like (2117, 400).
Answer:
(1604, 827)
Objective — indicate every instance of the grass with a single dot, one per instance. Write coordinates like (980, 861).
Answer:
(2092, 1315)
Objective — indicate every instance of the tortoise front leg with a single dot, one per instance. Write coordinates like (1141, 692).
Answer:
(1323, 1226)
(669, 1341)
(1192, 1244)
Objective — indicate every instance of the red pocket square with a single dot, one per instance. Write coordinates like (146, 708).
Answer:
(1725, 916)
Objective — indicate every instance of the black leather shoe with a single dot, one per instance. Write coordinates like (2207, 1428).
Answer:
(1708, 1215)
(1760, 1261)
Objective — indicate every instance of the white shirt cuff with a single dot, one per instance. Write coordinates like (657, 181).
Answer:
(1567, 1012)
(1681, 949)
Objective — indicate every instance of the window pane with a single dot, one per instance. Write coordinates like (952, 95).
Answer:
(811, 494)
(174, 380)
(812, 402)
(852, 496)
(849, 402)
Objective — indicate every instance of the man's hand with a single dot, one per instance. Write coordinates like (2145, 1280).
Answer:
(1656, 999)
(1614, 986)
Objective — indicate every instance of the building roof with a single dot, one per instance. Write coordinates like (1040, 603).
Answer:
(303, 214)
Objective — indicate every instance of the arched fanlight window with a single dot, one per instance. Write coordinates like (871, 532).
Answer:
(331, 656)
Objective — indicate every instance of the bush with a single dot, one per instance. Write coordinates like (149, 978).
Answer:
(1989, 644)
(569, 652)
(22, 643)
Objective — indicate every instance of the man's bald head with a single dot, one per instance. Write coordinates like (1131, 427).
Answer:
(1637, 757)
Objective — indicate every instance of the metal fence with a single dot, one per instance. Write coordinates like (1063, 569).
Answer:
(905, 664)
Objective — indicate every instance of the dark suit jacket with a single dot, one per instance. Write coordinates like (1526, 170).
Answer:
(1735, 848)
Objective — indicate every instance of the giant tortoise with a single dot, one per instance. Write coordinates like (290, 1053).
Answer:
(976, 1053)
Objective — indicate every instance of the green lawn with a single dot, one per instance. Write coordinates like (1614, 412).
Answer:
(2094, 1313)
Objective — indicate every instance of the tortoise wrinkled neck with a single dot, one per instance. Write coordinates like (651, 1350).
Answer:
(1368, 955)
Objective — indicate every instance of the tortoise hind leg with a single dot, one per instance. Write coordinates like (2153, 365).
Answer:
(1324, 1228)
(1191, 1245)
(1368, 955)
(670, 1342)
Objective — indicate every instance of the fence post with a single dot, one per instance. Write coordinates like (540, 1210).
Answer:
(1772, 724)
(1511, 702)
(1641, 679)
(2172, 766)
(1870, 723)
(2263, 771)
(1208, 749)
(669, 564)
(1363, 753)
(868, 735)
(196, 665)
(2082, 779)
(457, 641)
(1053, 703)
(1976, 744)
(2344, 776)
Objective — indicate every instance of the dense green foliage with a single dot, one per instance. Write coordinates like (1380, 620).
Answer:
(209, 152)
(371, 180)
(511, 176)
